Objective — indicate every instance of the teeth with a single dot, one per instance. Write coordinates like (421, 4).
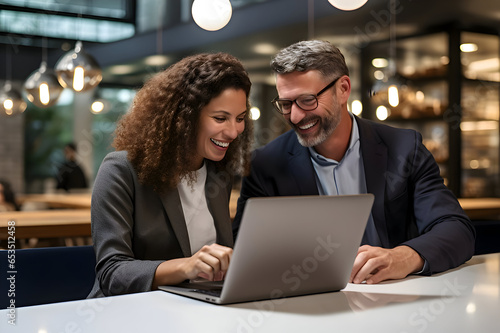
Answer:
(220, 144)
(307, 126)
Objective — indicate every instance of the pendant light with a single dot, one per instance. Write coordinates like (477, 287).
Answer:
(211, 15)
(347, 4)
(11, 100)
(78, 70)
(42, 87)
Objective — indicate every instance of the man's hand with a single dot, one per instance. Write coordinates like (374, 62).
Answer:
(376, 264)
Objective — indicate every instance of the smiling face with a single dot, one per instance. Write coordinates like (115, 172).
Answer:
(315, 126)
(221, 121)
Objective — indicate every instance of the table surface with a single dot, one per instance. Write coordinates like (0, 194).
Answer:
(481, 208)
(58, 200)
(466, 299)
(47, 223)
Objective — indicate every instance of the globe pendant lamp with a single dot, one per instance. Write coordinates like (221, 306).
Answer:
(11, 100)
(42, 87)
(347, 5)
(78, 70)
(211, 15)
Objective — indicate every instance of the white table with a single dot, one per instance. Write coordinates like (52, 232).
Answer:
(466, 299)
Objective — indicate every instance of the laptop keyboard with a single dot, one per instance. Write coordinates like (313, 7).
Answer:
(212, 292)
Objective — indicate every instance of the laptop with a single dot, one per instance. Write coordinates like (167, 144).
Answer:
(289, 246)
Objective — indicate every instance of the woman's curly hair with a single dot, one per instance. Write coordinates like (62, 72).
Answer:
(159, 133)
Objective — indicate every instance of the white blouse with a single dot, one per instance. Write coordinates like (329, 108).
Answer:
(199, 221)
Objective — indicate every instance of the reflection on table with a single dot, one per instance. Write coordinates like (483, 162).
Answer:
(466, 299)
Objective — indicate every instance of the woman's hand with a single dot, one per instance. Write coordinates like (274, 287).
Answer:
(211, 262)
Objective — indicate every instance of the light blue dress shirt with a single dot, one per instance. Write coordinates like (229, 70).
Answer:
(345, 177)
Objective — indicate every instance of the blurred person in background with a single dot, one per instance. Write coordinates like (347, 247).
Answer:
(70, 175)
(7, 197)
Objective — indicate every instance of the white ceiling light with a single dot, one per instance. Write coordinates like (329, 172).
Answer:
(156, 60)
(347, 4)
(265, 48)
(121, 69)
(211, 15)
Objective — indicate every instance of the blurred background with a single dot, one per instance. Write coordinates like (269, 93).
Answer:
(440, 58)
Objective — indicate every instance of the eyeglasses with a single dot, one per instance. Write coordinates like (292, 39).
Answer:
(306, 102)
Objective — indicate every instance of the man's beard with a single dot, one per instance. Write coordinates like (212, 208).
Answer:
(327, 124)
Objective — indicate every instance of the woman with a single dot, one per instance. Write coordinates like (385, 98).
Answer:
(160, 204)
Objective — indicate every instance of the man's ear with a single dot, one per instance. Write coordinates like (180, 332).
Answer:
(344, 89)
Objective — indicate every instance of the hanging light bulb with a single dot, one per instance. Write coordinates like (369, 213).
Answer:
(79, 78)
(42, 87)
(211, 15)
(347, 4)
(78, 70)
(11, 100)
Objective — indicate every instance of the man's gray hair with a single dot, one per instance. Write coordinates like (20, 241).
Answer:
(311, 55)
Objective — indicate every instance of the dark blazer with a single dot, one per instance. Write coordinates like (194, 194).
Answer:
(412, 205)
(134, 229)
(70, 176)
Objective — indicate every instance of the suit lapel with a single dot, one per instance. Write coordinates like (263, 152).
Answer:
(302, 171)
(374, 154)
(172, 204)
(217, 194)
(218, 205)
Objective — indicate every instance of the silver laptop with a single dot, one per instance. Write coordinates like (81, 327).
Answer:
(289, 246)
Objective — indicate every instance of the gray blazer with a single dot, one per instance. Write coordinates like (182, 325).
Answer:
(134, 229)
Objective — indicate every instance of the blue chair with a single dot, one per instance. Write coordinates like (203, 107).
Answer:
(487, 236)
(46, 275)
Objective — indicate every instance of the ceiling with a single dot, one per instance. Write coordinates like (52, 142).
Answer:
(272, 24)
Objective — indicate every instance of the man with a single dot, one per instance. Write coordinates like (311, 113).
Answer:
(416, 224)
(70, 175)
